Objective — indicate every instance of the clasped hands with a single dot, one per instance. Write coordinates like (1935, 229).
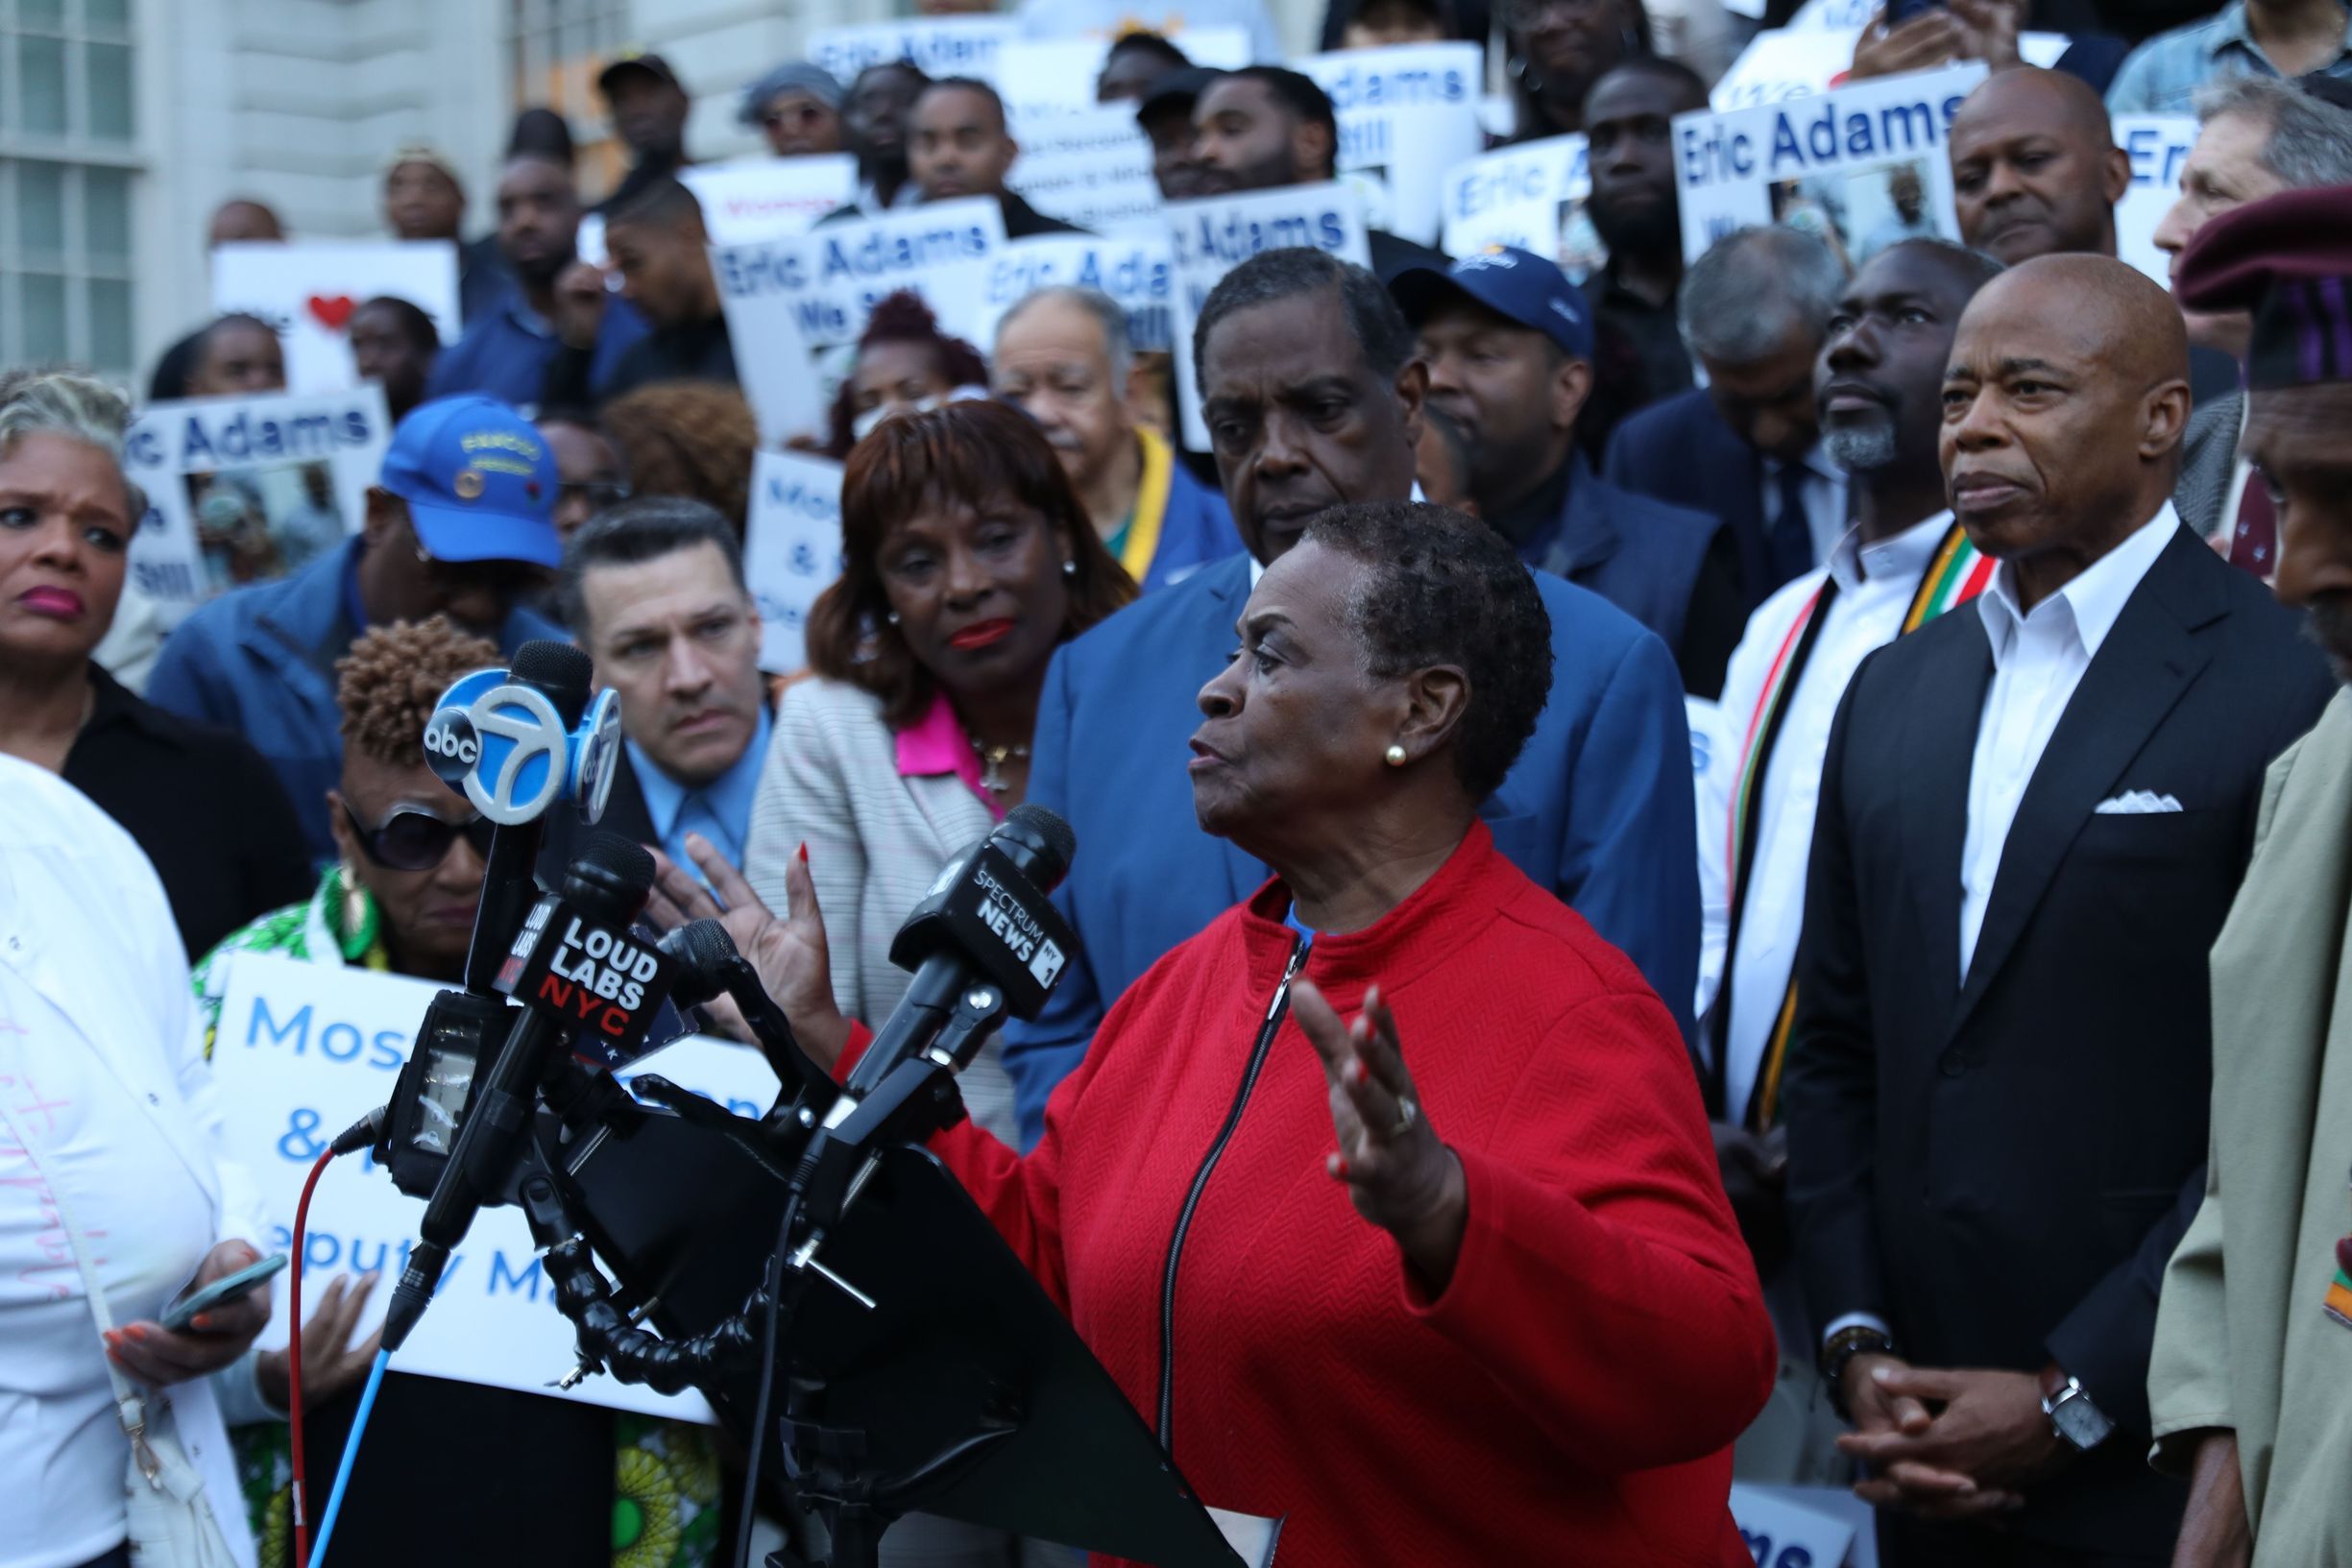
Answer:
(1946, 1444)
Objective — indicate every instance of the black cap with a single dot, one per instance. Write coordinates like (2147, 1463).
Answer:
(637, 59)
(1179, 88)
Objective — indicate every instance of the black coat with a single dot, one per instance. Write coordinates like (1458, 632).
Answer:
(2001, 1170)
(1680, 451)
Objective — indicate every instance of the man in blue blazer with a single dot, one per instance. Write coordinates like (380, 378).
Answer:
(1746, 447)
(1507, 341)
(1311, 396)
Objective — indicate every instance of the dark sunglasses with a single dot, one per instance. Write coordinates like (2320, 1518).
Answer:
(413, 840)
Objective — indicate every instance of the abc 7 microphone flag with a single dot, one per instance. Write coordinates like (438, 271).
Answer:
(505, 749)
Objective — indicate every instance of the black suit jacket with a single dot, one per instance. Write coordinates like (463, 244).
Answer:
(624, 813)
(1680, 451)
(2001, 1169)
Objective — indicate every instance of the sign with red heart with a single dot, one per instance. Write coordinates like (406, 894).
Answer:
(331, 310)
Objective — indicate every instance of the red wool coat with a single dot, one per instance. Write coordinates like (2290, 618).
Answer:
(1570, 1398)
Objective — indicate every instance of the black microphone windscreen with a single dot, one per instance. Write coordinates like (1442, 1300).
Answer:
(610, 867)
(1051, 838)
(705, 946)
(562, 671)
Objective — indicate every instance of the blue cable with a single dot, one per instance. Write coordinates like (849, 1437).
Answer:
(351, 1451)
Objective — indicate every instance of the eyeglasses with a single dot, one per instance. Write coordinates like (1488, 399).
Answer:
(598, 493)
(414, 840)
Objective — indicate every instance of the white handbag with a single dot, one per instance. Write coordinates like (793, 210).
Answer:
(168, 1510)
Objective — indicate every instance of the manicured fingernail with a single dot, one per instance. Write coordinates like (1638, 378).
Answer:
(201, 1321)
(1357, 1072)
(137, 1333)
(804, 852)
(1337, 1166)
(1879, 1374)
(110, 1336)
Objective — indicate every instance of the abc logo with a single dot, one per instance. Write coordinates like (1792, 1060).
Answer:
(451, 748)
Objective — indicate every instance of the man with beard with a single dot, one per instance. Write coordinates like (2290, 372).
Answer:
(1559, 49)
(506, 351)
(1508, 345)
(2032, 817)
(648, 105)
(1062, 358)
(2035, 170)
(1264, 127)
(1638, 216)
(1903, 562)
(2254, 1337)
(1313, 397)
(874, 126)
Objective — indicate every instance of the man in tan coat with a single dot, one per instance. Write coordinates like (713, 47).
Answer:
(2250, 1381)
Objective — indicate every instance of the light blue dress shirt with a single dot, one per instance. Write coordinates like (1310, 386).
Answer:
(720, 810)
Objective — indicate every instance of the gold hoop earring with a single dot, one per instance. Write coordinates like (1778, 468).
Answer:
(1397, 757)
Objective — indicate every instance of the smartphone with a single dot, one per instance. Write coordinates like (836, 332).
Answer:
(1899, 12)
(229, 1287)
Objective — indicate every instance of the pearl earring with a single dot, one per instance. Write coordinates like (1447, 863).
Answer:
(891, 618)
(1069, 569)
(1397, 757)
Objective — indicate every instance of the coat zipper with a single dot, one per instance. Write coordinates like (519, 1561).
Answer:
(1199, 1184)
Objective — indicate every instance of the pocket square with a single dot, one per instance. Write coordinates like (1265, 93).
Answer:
(2134, 803)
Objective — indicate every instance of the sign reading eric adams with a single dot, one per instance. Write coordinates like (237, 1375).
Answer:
(829, 280)
(1853, 165)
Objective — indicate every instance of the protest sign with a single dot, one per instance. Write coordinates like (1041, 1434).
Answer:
(307, 292)
(1860, 167)
(791, 549)
(1091, 167)
(774, 361)
(828, 280)
(1407, 113)
(1212, 237)
(1794, 1527)
(767, 197)
(244, 489)
(1802, 61)
(302, 1051)
(2157, 145)
(1139, 273)
(1532, 196)
(1039, 78)
(937, 46)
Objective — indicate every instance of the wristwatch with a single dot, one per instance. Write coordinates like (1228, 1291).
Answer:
(1855, 1340)
(2080, 1424)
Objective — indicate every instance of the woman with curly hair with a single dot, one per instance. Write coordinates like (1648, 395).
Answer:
(904, 365)
(402, 901)
(693, 439)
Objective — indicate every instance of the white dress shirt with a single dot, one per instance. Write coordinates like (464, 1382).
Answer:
(2039, 658)
(1875, 584)
(1823, 488)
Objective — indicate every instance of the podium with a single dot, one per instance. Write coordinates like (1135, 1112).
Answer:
(961, 1390)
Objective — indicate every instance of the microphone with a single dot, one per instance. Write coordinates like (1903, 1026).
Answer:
(576, 969)
(987, 921)
(711, 966)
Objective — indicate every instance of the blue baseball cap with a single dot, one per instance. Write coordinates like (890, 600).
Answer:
(1518, 284)
(479, 482)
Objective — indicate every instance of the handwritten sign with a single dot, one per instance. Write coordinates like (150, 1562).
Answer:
(765, 196)
(791, 549)
(1407, 114)
(1211, 237)
(308, 292)
(1140, 273)
(302, 1051)
(935, 45)
(1532, 196)
(2157, 145)
(1091, 167)
(1852, 165)
(244, 489)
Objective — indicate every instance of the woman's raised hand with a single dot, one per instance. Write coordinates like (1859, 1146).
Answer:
(790, 954)
(1399, 1174)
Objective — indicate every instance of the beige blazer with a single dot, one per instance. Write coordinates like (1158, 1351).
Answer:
(876, 838)
(2242, 1341)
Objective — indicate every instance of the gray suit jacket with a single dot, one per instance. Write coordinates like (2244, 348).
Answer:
(2208, 464)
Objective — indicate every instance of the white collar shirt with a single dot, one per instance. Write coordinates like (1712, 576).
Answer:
(1875, 584)
(2039, 659)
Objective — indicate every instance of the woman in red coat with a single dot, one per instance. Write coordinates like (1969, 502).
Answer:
(1388, 1199)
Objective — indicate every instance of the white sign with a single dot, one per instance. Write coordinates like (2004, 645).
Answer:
(937, 46)
(307, 292)
(1532, 196)
(306, 1049)
(791, 549)
(1212, 237)
(1407, 113)
(1782, 1531)
(1140, 273)
(1801, 60)
(1855, 166)
(1043, 77)
(773, 358)
(828, 280)
(241, 490)
(2158, 145)
(762, 197)
(1091, 167)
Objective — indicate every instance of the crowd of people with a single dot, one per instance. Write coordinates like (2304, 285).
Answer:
(1715, 871)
